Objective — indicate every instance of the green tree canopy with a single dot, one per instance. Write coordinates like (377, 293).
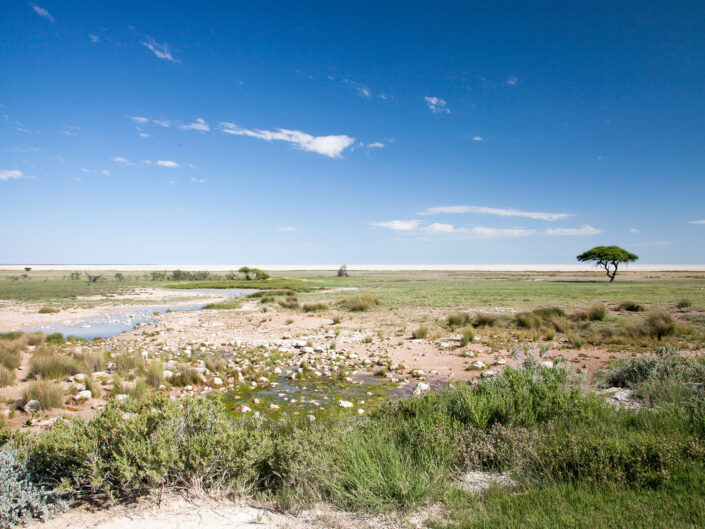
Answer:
(608, 257)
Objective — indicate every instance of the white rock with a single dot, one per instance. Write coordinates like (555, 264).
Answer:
(345, 404)
(80, 377)
(421, 388)
(418, 373)
(121, 397)
(273, 407)
(547, 363)
(85, 394)
(479, 364)
(32, 406)
(243, 409)
(217, 381)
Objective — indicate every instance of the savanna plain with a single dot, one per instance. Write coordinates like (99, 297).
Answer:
(382, 399)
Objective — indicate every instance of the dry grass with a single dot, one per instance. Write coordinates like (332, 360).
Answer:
(360, 303)
(48, 394)
(7, 377)
(53, 366)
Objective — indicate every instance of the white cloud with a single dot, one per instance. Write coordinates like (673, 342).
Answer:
(633, 230)
(584, 230)
(172, 182)
(376, 145)
(331, 146)
(122, 160)
(512, 80)
(42, 12)
(94, 38)
(198, 180)
(144, 135)
(161, 50)
(477, 138)
(10, 174)
(139, 119)
(199, 125)
(398, 225)
(167, 163)
(106, 172)
(363, 91)
(286, 228)
(438, 227)
(696, 221)
(437, 105)
(162, 122)
(493, 233)
(192, 166)
(84, 170)
(502, 212)
(77, 179)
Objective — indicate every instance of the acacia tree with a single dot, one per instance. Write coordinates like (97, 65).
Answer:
(608, 257)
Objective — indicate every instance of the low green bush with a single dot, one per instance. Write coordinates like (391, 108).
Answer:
(420, 333)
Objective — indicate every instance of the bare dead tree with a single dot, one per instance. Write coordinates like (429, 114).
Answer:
(93, 279)
(343, 271)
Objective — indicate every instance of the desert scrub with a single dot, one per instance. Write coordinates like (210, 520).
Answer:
(420, 333)
(314, 307)
(594, 313)
(483, 319)
(468, 336)
(631, 306)
(684, 303)
(46, 309)
(21, 498)
(154, 374)
(360, 303)
(135, 389)
(658, 324)
(53, 365)
(92, 361)
(458, 319)
(10, 355)
(7, 377)
(48, 394)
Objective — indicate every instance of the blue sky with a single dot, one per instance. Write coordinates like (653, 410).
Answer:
(371, 132)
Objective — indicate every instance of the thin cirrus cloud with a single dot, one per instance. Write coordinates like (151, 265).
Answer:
(331, 146)
(42, 12)
(286, 228)
(502, 212)
(398, 225)
(200, 125)
(584, 230)
(122, 160)
(159, 49)
(437, 105)
(10, 174)
(167, 163)
(696, 221)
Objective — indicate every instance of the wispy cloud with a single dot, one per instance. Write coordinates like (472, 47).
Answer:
(331, 146)
(437, 105)
(478, 138)
(42, 12)
(167, 163)
(512, 80)
(633, 230)
(286, 228)
(10, 174)
(106, 172)
(122, 160)
(161, 50)
(143, 135)
(398, 225)
(375, 145)
(199, 125)
(696, 221)
(502, 212)
(584, 230)
(198, 180)
(94, 38)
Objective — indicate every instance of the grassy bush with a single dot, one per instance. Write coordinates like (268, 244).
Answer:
(289, 303)
(53, 366)
(659, 324)
(48, 394)
(48, 310)
(10, 355)
(684, 303)
(187, 376)
(665, 364)
(360, 303)
(484, 319)
(468, 336)
(136, 389)
(631, 306)
(93, 361)
(458, 319)
(154, 374)
(7, 377)
(420, 333)
(594, 313)
(314, 307)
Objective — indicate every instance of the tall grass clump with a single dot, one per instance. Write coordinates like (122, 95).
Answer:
(314, 307)
(48, 310)
(631, 306)
(484, 319)
(594, 313)
(154, 374)
(468, 336)
(10, 355)
(458, 319)
(93, 361)
(420, 333)
(360, 303)
(53, 366)
(48, 394)
(7, 377)
(684, 303)
(659, 324)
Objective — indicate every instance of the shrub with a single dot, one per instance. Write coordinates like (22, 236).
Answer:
(136, 389)
(7, 377)
(420, 333)
(458, 319)
(315, 307)
(631, 306)
(187, 376)
(468, 336)
(684, 303)
(93, 361)
(666, 364)
(21, 499)
(48, 394)
(659, 324)
(10, 355)
(484, 319)
(155, 374)
(361, 303)
(53, 366)
(48, 310)
(289, 303)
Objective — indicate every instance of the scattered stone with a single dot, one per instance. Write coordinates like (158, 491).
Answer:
(421, 388)
(83, 395)
(121, 397)
(32, 406)
(345, 404)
